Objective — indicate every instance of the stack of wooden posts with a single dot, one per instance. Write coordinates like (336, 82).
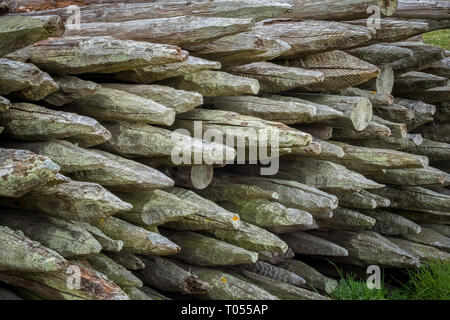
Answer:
(95, 205)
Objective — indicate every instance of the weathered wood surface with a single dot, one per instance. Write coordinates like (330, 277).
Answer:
(341, 70)
(155, 207)
(181, 31)
(122, 174)
(410, 177)
(150, 74)
(252, 238)
(318, 132)
(423, 56)
(53, 285)
(197, 177)
(127, 259)
(357, 111)
(428, 9)
(425, 216)
(442, 229)
(165, 275)
(68, 156)
(423, 112)
(27, 121)
(20, 253)
(106, 242)
(389, 223)
(206, 251)
(274, 272)
(324, 175)
(383, 83)
(356, 200)
(179, 100)
(70, 88)
(439, 68)
(7, 295)
(136, 239)
(373, 130)
(241, 48)
(116, 11)
(346, 219)
(96, 54)
(381, 54)
(210, 216)
(18, 32)
(423, 252)
(25, 81)
(142, 141)
(267, 214)
(366, 248)
(431, 238)
(4, 104)
(415, 198)
(433, 150)
(376, 98)
(80, 201)
(64, 237)
(305, 243)
(314, 279)
(310, 37)
(413, 81)
(337, 10)
(283, 291)
(114, 271)
(22, 171)
(275, 78)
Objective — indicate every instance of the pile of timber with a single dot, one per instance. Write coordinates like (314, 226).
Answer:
(96, 201)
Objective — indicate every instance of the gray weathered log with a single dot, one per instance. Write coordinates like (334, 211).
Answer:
(22, 171)
(106, 242)
(428, 9)
(406, 83)
(439, 68)
(376, 98)
(381, 54)
(274, 272)
(127, 259)
(410, 177)
(389, 223)
(384, 83)
(306, 243)
(423, 252)
(179, 100)
(442, 229)
(70, 88)
(431, 238)
(346, 219)
(435, 151)
(374, 130)
(4, 104)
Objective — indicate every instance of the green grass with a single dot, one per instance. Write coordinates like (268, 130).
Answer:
(439, 38)
(429, 282)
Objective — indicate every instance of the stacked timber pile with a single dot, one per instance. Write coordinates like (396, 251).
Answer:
(97, 203)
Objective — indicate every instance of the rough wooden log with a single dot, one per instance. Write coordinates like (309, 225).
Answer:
(264, 108)
(442, 229)
(236, 125)
(25, 81)
(179, 100)
(252, 238)
(317, 131)
(422, 252)
(283, 291)
(327, 150)
(70, 89)
(357, 111)
(311, 37)
(337, 10)
(116, 11)
(135, 239)
(127, 259)
(314, 279)
(368, 248)
(324, 175)
(267, 214)
(288, 255)
(341, 70)
(22, 171)
(425, 216)
(274, 272)
(149, 292)
(410, 177)
(423, 112)
(18, 6)
(122, 174)
(4, 104)
(406, 83)
(439, 68)
(395, 113)
(26, 121)
(438, 94)
(305, 243)
(155, 208)
(150, 74)
(381, 54)
(346, 219)
(106, 242)
(415, 198)
(376, 98)
(398, 130)
(64, 237)
(214, 83)
(389, 223)
(423, 56)
(19, 32)
(53, 285)
(368, 160)
(225, 286)
(114, 271)
(373, 130)
(96, 54)
(383, 83)
(356, 200)
(80, 201)
(201, 250)
(196, 177)
(433, 150)
(137, 140)
(428, 9)
(181, 31)
(20, 253)
(165, 275)
(68, 156)
(241, 48)
(209, 217)
(431, 238)
(398, 29)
